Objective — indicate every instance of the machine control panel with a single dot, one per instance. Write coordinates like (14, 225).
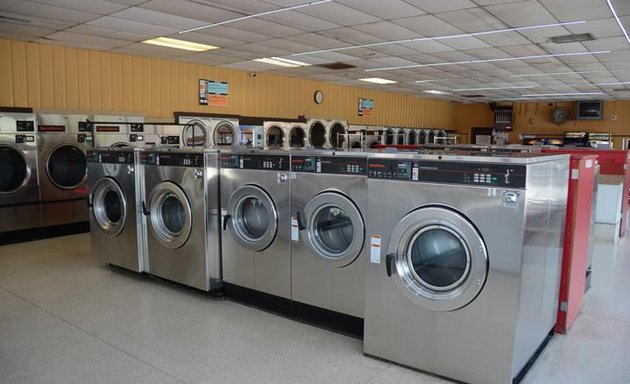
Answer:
(23, 139)
(86, 126)
(51, 128)
(482, 174)
(261, 162)
(25, 126)
(111, 157)
(83, 138)
(169, 140)
(134, 138)
(172, 159)
(330, 165)
(136, 127)
(108, 128)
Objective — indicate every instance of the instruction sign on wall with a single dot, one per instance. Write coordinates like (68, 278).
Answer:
(366, 107)
(213, 93)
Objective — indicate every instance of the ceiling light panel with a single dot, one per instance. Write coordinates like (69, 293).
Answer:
(180, 44)
(562, 94)
(279, 61)
(378, 80)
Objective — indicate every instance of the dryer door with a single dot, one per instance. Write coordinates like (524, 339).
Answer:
(171, 214)
(109, 206)
(254, 218)
(66, 166)
(226, 134)
(195, 134)
(14, 170)
(441, 261)
(335, 228)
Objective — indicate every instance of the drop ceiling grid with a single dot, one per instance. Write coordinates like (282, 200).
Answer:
(120, 25)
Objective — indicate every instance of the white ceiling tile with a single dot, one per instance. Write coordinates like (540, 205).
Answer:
(465, 43)
(203, 38)
(139, 49)
(486, 53)
(542, 35)
(102, 7)
(158, 18)
(246, 7)
(599, 28)
(432, 6)
(208, 58)
(565, 10)
(389, 9)
(252, 66)
(128, 2)
(386, 30)
(106, 32)
(234, 34)
(104, 42)
(132, 26)
(365, 53)
(472, 20)
(36, 21)
(316, 40)
(395, 50)
(265, 27)
(524, 50)
(286, 45)
(191, 9)
(27, 31)
(260, 51)
(504, 39)
(429, 46)
(453, 56)
(620, 55)
(428, 25)
(351, 36)
(393, 62)
(30, 8)
(563, 48)
(339, 14)
(523, 13)
(301, 21)
(608, 43)
(622, 7)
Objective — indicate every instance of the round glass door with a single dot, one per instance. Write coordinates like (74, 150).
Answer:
(225, 134)
(275, 137)
(337, 135)
(297, 137)
(317, 135)
(390, 136)
(66, 166)
(421, 137)
(254, 218)
(411, 138)
(14, 171)
(171, 215)
(195, 134)
(109, 206)
(441, 261)
(335, 228)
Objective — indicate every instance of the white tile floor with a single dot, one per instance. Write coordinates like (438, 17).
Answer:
(66, 318)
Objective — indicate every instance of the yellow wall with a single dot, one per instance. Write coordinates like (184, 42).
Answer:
(536, 118)
(53, 77)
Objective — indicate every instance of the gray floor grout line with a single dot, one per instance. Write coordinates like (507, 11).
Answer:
(605, 317)
(378, 373)
(100, 339)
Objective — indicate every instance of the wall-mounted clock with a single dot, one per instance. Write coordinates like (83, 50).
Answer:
(318, 97)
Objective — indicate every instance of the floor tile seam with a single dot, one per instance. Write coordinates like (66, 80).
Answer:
(604, 317)
(100, 339)
(378, 373)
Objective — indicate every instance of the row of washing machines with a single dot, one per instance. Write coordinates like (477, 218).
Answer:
(413, 136)
(315, 133)
(450, 261)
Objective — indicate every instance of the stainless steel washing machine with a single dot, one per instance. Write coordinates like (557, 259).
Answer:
(19, 189)
(275, 135)
(328, 204)
(337, 132)
(117, 131)
(317, 133)
(464, 261)
(297, 134)
(115, 221)
(181, 201)
(63, 141)
(256, 209)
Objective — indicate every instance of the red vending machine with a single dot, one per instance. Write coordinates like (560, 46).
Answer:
(576, 240)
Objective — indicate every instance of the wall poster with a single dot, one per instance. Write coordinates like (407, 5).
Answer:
(213, 93)
(366, 107)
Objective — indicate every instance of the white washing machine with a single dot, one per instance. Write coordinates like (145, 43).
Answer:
(337, 132)
(116, 219)
(275, 135)
(464, 268)
(19, 189)
(181, 202)
(328, 204)
(255, 239)
(117, 131)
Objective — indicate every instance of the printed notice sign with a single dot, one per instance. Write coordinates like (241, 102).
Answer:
(366, 107)
(213, 93)
(375, 249)
(203, 92)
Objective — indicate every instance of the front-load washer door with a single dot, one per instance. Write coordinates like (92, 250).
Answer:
(171, 215)
(335, 228)
(253, 217)
(225, 134)
(66, 166)
(109, 206)
(195, 134)
(440, 259)
(15, 172)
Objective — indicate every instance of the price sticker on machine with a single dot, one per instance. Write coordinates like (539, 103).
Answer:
(375, 249)
(295, 229)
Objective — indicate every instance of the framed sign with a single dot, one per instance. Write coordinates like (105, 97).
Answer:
(366, 107)
(213, 93)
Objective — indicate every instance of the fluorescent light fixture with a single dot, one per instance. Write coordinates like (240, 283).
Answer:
(179, 44)
(556, 74)
(436, 92)
(614, 12)
(378, 80)
(445, 37)
(281, 62)
(614, 83)
(563, 94)
(487, 60)
(257, 15)
(492, 88)
(431, 81)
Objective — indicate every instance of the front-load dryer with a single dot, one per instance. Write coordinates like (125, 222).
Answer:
(464, 261)
(19, 189)
(390, 136)
(181, 201)
(225, 132)
(255, 239)
(337, 132)
(317, 133)
(117, 131)
(328, 204)
(63, 141)
(116, 224)
(297, 134)
(275, 135)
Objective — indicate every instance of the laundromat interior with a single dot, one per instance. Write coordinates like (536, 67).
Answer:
(314, 191)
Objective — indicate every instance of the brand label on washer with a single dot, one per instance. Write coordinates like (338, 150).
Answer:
(375, 249)
(295, 229)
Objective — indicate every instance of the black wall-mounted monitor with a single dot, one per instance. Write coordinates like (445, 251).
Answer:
(590, 110)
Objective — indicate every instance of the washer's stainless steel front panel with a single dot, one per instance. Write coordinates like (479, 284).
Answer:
(490, 337)
(194, 261)
(260, 261)
(322, 274)
(113, 187)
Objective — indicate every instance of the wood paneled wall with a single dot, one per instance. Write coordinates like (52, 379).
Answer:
(61, 78)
